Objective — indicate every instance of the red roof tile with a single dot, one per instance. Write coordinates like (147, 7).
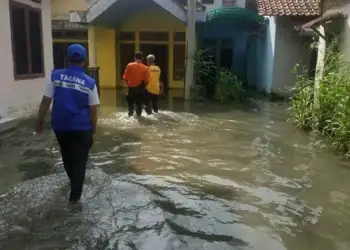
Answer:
(289, 7)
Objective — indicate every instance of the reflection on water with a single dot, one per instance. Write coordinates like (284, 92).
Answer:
(201, 177)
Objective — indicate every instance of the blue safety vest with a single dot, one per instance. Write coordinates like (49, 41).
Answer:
(70, 111)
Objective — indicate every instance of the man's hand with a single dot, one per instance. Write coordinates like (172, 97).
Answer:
(161, 86)
(39, 127)
(44, 106)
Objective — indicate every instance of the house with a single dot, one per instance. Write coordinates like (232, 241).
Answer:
(26, 52)
(227, 34)
(118, 28)
(283, 46)
(334, 22)
(64, 33)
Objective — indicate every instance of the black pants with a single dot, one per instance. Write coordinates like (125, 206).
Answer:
(75, 147)
(151, 101)
(135, 97)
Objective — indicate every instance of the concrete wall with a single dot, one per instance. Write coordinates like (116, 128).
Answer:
(60, 8)
(265, 56)
(290, 49)
(90, 2)
(345, 36)
(345, 40)
(278, 52)
(106, 57)
(22, 96)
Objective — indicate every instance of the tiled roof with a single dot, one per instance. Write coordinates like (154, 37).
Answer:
(289, 7)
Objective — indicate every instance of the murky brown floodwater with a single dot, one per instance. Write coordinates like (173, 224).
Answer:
(193, 177)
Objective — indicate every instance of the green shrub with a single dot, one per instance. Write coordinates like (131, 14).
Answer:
(302, 102)
(228, 88)
(331, 116)
(204, 75)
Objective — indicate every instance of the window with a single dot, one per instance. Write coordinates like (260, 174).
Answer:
(27, 41)
(154, 36)
(126, 36)
(207, 1)
(179, 62)
(228, 3)
(180, 36)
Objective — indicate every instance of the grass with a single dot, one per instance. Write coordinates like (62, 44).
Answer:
(330, 115)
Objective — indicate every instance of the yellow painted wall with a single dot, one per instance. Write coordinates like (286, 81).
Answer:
(157, 20)
(106, 57)
(61, 8)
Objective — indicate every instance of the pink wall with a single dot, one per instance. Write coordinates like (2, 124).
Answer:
(21, 97)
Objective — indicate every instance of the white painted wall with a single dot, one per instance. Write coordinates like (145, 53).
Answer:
(345, 36)
(267, 52)
(345, 41)
(89, 3)
(218, 4)
(290, 49)
(22, 97)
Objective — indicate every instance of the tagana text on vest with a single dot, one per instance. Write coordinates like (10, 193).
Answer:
(70, 109)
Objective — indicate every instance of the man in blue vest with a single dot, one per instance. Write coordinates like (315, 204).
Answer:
(74, 115)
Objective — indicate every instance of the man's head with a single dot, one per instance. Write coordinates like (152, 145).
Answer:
(151, 59)
(76, 55)
(138, 56)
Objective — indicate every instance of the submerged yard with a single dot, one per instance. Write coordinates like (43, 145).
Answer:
(197, 176)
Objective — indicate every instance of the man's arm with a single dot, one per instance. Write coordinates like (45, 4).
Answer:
(45, 105)
(126, 75)
(94, 103)
(146, 76)
(161, 82)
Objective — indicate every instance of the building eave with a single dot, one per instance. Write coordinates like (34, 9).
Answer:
(96, 11)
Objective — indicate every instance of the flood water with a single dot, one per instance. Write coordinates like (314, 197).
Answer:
(195, 176)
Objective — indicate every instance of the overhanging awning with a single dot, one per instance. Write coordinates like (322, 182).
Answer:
(66, 25)
(324, 18)
(339, 11)
(112, 12)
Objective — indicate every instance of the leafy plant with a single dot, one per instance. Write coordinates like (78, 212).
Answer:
(302, 102)
(204, 74)
(331, 116)
(229, 88)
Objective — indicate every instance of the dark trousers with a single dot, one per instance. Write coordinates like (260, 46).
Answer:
(75, 147)
(151, 101)
(135, 97)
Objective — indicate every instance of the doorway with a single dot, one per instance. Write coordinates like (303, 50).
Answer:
(60, 53)
(160, 51)
(226, 58)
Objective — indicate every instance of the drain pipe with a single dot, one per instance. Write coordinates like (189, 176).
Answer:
(190, 40)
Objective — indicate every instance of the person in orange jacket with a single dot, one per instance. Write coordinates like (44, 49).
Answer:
(136, 76)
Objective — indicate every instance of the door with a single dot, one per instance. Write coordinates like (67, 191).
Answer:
(160, 51)
(126, 55)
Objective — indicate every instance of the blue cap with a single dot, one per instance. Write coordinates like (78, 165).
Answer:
(76, 51)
